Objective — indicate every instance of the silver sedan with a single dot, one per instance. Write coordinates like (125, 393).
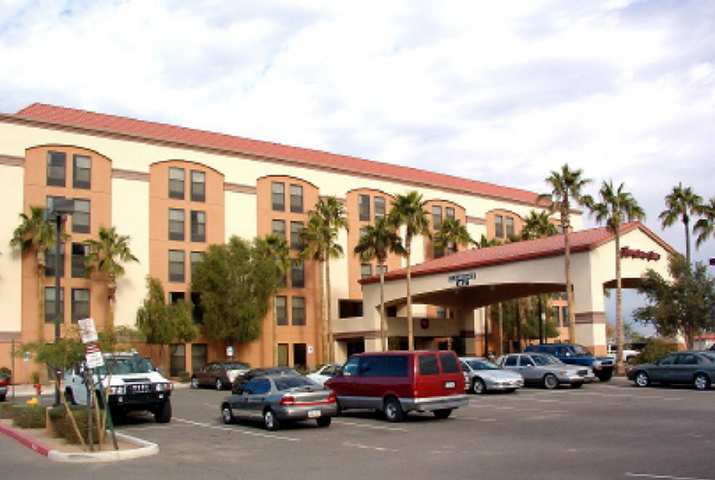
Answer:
(481, 375)
(546, 370)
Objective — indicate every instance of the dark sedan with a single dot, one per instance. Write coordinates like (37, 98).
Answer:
(219, 375)
(279, 398)
(694, 368)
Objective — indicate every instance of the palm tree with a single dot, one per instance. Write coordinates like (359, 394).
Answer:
(408, 210)
(537, 225)
(451, 235)
(705, 227)
(320, 243)
(377, 243)
(681, 203)
(275, 248)
(566, 189)
(35, 235)
(616, 206)
(106, 256)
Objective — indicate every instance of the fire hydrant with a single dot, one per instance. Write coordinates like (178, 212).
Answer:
(38, 389)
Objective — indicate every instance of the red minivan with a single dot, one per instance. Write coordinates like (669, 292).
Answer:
(399, 382)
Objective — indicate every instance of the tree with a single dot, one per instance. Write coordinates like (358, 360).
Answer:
(181, 318)
(681, 204)
(686, 305)
(537, 225)
(275, 249)
(35, 235)
(320, 243)
(408, 211)
(153, 320)
(106, 256)
(451, 235)
(566, 189)
(705, 226)
(377, 243)
(615, 207)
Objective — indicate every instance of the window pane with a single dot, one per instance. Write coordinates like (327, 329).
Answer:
(363, 231)
(79, 257)
(176, 224)
(282, 354)
(50, 261)
(176, 183)
(379, 207)
(296, 242)
(498, 226)
(428, 365)
(197, 314)
(198, 226)
(278, 227)
(298, 311)
(364, 207)
(176, 266)
(509, 227)
(449, 363)
(81, 216)
(281, 311)
(80, 304)
(449, 212)
(297, 270)
(50, 304)
(81, 172)
(296, 199)
(196, 258)
(436, 216)
(365, 270)
(56, 168)
(198, 186)
(199, 355)
(278, 197)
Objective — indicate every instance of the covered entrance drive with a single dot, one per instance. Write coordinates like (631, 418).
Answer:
(465, 281)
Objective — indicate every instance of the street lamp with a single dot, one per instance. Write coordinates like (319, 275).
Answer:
(60, 207)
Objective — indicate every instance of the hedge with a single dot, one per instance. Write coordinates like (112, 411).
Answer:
(62, 425)
(7, 410)
(28, 416)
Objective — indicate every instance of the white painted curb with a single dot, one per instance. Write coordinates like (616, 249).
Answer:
(144, 449)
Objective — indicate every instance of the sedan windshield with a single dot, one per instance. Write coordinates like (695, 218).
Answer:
(125, 365)
(545, 360)
(709, 356)
(286, 383)
(482, 365)
(579, 350)
(236, 366)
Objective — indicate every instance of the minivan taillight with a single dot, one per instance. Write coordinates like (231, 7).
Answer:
(287, 400)
(332, 398)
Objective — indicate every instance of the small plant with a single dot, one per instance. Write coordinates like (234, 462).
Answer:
(35, 377)
(30, 416)
(67, 430)
(184, 377)
(7, 410)
(5, 372)
(655, 348)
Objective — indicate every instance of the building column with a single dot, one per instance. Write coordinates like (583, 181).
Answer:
(589, 310)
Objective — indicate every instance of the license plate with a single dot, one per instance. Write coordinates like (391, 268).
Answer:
(449, 384)
(313, 413)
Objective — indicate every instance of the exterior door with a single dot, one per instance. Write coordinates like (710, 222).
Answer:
(256, 397)
(684, 368)
(663, 370)
(528, 369)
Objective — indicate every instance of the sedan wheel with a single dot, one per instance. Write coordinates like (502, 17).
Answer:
(642, 379)
(194, 382)
(219, 384)
(478, 386)
(270, 421)
(550, 381)
(701, 382)
(227, 415)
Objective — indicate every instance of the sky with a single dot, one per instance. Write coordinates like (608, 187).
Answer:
(500, 91)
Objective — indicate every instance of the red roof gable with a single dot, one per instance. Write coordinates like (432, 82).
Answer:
(581, 241)
(160, 132)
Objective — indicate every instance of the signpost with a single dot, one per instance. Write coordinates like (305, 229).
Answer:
(461, 279)
(229, 352)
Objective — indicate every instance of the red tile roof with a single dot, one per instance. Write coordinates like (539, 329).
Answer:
(160, 132)
(581, 241)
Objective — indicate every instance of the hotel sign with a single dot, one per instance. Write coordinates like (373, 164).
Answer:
(461, 279)
(627, 252)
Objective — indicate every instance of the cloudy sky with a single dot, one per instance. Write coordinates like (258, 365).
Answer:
(501, 91)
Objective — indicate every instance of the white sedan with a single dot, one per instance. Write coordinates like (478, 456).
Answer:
(324, 373)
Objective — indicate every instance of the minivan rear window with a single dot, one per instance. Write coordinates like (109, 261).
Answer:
(449, 363)
(428, 365)
(383, 366)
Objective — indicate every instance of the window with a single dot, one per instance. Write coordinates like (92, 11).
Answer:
(176, 297)
(436, 217)
(499, 226)
(449, 363)
(300, 359)
(298, 311)
(379, 207)
(176, 224)
(198, 226)
(363, 232)
(199, 355)
(525, 361)
(351, 367)
(258, 386)
(428, 364)
(81, 171)
(669, 360)
(441, 312)
(80, 304)
(565, 316)
(437, 252)
(555, 315)
(196, 258)
(176, 266)
(197, 314)
(384, 366)
(50, 261)
(364, 207)
(50, 304)
(51, 203)
(297, 274)
(56, 168)
(296, 243)
(348, 308)
(382, 267)
(278, 197)
(449, 212)
(365, 270)
(178, 359)
(278, 227)
(509, 227)
(296, 199)
(198, 186)
(281, 311)
(176, 183)
(686, 359)
(80, 217)
(282, 351)
(510, 361)
(79, 260)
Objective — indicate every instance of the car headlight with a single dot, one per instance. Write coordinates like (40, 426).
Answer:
(118, 390)
(563, 372)
(164, 387)
(596, 363)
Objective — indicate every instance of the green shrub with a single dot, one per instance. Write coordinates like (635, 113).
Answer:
(184, 377)
(7, 410)
(5, 372)
(29, 416)
(63, 425)
(655, 348)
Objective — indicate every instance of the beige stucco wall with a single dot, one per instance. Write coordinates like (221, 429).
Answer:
(11, 180)
(241, 215)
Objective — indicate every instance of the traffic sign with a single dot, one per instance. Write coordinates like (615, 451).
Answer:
(93, 355)
(87, 330)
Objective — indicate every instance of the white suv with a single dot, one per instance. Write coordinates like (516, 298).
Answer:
(134, 384)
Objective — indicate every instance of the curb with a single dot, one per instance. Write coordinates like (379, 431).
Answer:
(145, 449)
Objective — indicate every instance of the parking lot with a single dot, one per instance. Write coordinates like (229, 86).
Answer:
(600, 431)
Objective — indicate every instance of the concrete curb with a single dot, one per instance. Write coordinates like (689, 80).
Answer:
(144, 449)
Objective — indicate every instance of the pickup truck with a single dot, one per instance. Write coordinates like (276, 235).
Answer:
(577, 355)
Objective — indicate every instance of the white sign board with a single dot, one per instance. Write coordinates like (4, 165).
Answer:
(93, 355)
(229, 351)
(310, 349)
(87, 330)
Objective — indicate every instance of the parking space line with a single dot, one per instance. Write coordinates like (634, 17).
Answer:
(237, 430)
(372, 427)
(477, 419)
(369, 447)
(662, 477)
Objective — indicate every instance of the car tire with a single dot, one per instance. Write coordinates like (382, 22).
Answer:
(69, 396)
(2, 397)
(218, 384)
(393, 410)
(270, 421)
(577, 385)
(478, 387)
(605, 376)
(163, 412)
(641, 379)
(227, 414)
(701, 382)
(194, 383)
(443, 413)
(338, 409)
(323, 422)
(510, 390)
(550, 381)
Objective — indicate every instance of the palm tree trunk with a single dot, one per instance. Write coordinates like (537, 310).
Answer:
(519, 319)
(323, 316)
(410, 330)
(111, 292)
(331, 343)
(487, 321)
(274, 347)
(686, 222)
(383, 319)
(40, 299)
(569, 287)
(501, 329)
(620, 370)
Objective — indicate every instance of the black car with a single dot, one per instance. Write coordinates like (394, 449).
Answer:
(219, 375)
(695, 368)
